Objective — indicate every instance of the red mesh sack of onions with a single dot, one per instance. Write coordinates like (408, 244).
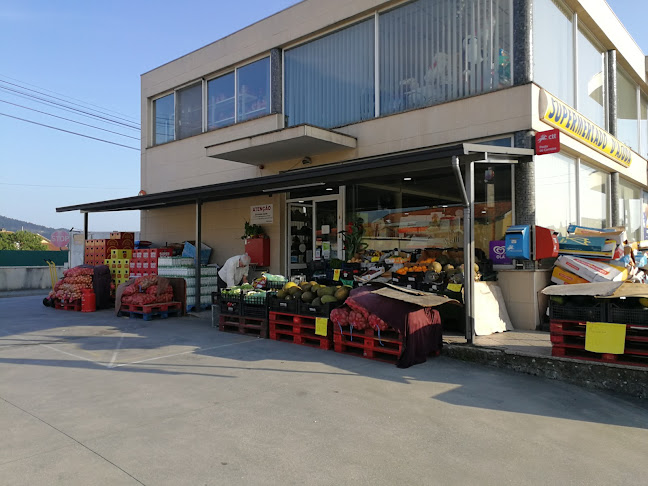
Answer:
(377, 323)
(130, 290)
(340, 315)
(139, 299)
(166, 296)
(357, 308)
(76, 271)
(357, 320)
(145, 282)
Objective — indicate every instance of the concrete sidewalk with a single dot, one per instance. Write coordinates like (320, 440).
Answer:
(96, 399)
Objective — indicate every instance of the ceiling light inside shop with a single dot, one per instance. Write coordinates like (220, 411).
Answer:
(484, 212)
(329, 188)
(407, 178)
(300, 201)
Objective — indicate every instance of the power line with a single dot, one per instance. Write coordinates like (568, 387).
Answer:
(57, 186)
(128, 119)
(68, 131)
(68, 119)
(70, 108)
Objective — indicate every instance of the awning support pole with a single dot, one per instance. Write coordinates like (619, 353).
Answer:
(468, 194)
(85, 227)
(198, 250)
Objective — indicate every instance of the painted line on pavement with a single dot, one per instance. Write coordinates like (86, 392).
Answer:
(186, 352)
(114, 356)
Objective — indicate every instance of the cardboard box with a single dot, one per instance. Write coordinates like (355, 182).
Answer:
(131, 265)
(561, 276)
(153, 265)
(137, 254)
(587, 246)
(120, 235)
(146, 254)
(592, 270)
(145, 265)
(121, 253)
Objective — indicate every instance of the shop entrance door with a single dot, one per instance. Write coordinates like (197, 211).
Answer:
(314, 233)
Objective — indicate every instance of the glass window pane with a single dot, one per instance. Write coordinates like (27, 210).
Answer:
(189, 111)
(433, 51)
(645, 215)
(330, 81)
(631, 208)
(254, 90)
(555, 191)
(553, 51)
(593, 197)
(627, 116)
(220, 101)
(590, 80)
(164, 116)
(644, 126)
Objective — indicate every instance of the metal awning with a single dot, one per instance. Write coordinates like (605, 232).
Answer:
(284, 144)
(338, 173)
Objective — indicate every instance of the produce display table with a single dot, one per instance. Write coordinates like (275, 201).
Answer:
(420, 326)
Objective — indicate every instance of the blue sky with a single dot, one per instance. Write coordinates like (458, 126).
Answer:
(95, 53)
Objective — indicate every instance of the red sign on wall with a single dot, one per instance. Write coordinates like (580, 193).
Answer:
(547, 142)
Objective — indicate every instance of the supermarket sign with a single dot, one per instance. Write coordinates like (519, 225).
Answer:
(60, 238)
(570, 122)
(262, 214)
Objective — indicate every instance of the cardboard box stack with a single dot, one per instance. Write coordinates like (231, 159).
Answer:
(118, 263)
(100, 250)
(597, 255)
(145, 261)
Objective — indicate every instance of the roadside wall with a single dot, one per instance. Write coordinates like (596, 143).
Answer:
(27, 278)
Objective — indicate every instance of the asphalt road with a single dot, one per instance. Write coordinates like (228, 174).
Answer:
(93, 399)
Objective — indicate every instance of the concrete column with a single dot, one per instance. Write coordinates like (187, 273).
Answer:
(523, 41)
(611, 92)
(276, 81)
(525, 200)
(617, 217)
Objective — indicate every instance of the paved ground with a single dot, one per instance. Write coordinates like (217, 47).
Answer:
(96, 399)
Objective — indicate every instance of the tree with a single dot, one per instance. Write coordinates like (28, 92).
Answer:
(21, 240)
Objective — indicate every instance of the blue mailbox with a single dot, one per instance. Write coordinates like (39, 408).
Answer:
(518, 242)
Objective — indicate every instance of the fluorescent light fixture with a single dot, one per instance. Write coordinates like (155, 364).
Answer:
(484, 212)
(444, 206)
(287, 188)
(329, 188)
(407, 178)
(300, 201)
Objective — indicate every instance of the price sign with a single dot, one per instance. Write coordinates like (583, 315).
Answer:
(321, 326)
(60, 238)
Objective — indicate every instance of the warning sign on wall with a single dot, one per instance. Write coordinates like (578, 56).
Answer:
(263, 214)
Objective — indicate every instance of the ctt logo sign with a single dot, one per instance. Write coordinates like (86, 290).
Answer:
(547, 142)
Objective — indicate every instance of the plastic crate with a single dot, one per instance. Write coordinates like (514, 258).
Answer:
(254, 306)
(322, 310)
(412, 280)
(276, 304)
(227, 304)
(628, 315)
(571, 312)
(189, 250)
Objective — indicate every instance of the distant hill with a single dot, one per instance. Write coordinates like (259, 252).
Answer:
(11, 224)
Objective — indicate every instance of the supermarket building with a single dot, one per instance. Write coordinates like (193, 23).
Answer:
(418, 117)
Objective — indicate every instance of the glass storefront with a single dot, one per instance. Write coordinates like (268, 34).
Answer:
(593, 195)
(555, 191)
(424, 210)
(631, 209)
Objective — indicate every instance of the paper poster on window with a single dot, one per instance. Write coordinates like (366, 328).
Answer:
(326, 249)
(326, 229)
(262, 214)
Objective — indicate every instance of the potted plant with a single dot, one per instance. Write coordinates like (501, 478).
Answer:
(353, 243)
(252, 231)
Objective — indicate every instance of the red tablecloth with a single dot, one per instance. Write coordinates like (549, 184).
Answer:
(421, 326)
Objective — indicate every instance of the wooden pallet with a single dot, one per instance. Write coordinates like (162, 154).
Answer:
(75, 305)
(148, 312)
(299, 330)
(244, 325)
(385, 346)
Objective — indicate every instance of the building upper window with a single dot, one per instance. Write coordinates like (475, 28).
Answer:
(643, 139)
(330, 81)
(627, 111)
(432, 51)
(590, 79)
(220, 101)
(553, 49)
(189, 111)
(253, 87)
(164, 116)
